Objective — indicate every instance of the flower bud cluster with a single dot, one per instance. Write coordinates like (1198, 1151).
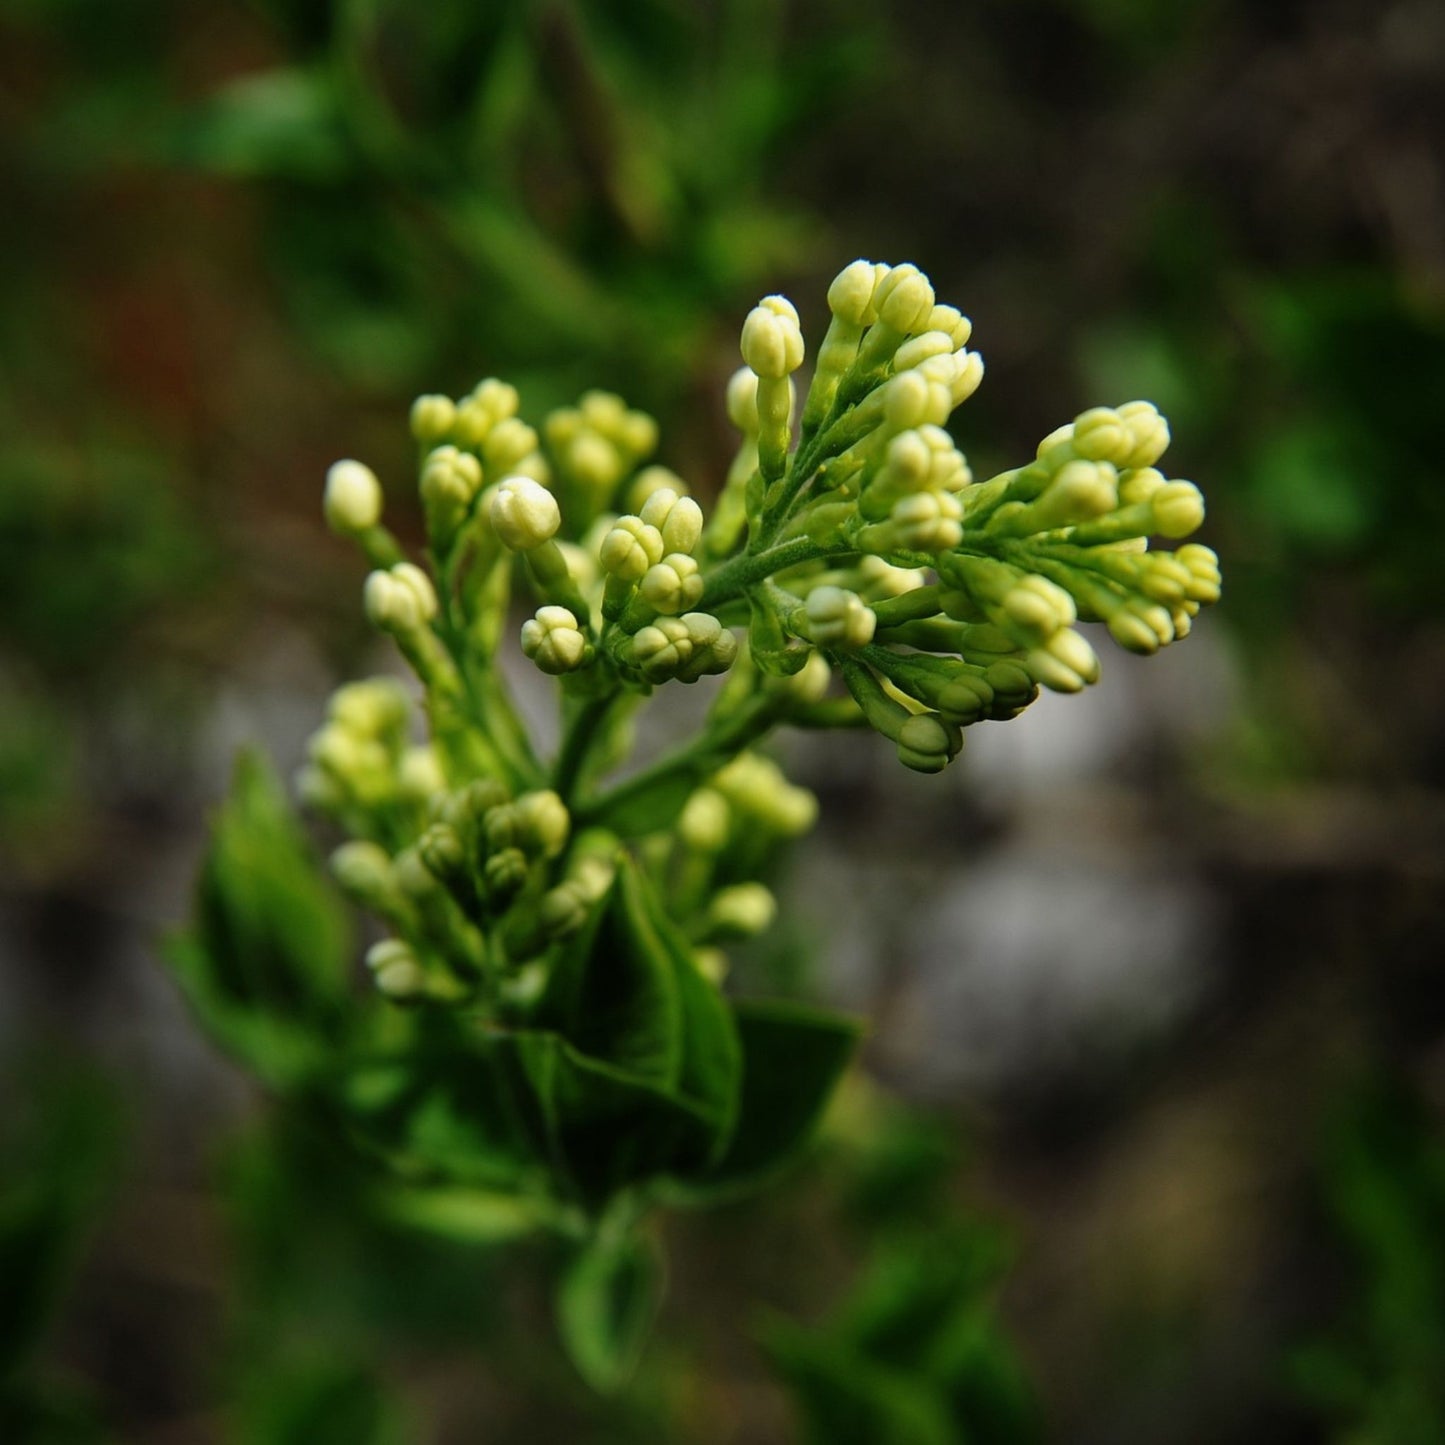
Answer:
(851, 571)
(596, 444)
(355, 760)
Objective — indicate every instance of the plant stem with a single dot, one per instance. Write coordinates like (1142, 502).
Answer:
(733, 578)
(676, 775)
(572, 759)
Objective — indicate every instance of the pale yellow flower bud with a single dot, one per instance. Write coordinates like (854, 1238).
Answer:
(524, 514)
(352, 501)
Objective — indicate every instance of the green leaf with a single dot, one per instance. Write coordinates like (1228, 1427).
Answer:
(606, 1304)
(792, 1059)
(265, 964)
(644, 1029)
(465, 1216)
(602, 1128)
(614, 992)
(319, 1402)
(846, 1399)
(449, 1104)
(280, 123)
(651, 804)
(59, 1151)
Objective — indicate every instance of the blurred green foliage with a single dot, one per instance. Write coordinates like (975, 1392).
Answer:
(60, 1136)
(1378, 1373)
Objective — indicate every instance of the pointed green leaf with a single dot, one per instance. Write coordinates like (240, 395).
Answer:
(792, 1059)
(846, 1399)
(266, 962)
(613, 992)
(605, 1129)
(606, 1304)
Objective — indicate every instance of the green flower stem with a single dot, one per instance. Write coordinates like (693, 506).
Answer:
(670, 781)
(382, 550)
(910, 606)
(733, 578)
(484, 691)
(831, 712)
(577, 745)
(499, 717)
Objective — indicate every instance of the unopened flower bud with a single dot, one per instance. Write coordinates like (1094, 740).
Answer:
(524, 514)
(419, 775)
(742, 400)
(554, 641)
(926, 743)
(927, 522)
(837, 618)
(850, 297)
(673, 586)
(772, 341)
(432, 419)
(352, 501)
(741, 911)
(363, 870)
(1149, 430)
(678, 519)
(630, 548)
(1178, 509)
(542, 822)
(705, 821)
(395, 968)
(904, 298)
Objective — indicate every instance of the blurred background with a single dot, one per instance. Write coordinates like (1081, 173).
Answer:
(1148, 1143)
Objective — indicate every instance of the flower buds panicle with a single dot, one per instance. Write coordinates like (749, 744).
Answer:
(524, 514)
(878, 582)
(598, 443)
(352, 501)
(554, 641)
